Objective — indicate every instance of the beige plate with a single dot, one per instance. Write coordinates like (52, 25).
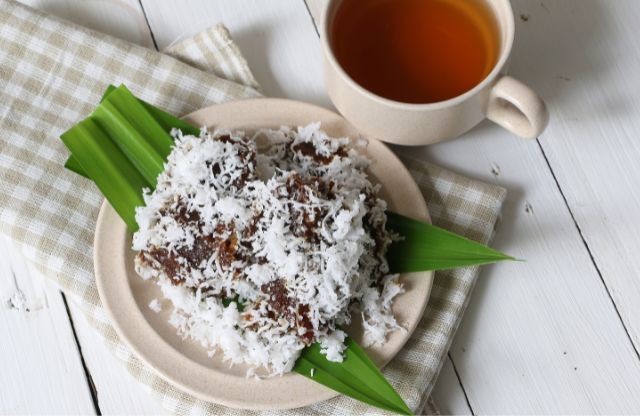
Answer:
(185, 364)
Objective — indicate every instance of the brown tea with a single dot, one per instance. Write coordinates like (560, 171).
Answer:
(415, 51)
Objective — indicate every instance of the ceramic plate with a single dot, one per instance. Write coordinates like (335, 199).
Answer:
(186, 364)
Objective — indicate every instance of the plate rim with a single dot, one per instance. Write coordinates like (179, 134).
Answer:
(105, 214)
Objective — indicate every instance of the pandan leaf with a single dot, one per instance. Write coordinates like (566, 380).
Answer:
(166, 121)
(427, 247)
(356, 376)
(108, 167)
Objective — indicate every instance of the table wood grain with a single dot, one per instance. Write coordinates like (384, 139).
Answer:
(557, 334)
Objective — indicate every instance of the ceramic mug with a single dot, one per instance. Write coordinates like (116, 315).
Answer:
(499, 97)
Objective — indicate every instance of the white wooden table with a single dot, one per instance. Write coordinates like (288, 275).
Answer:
(557, 334)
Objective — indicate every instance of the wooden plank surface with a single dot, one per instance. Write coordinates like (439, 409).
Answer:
(589, 75)
(523, 317)
(448, 394)
(41, 370)
(118, 392)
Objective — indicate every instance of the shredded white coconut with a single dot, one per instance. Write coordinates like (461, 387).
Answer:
(268, 243)
(155, 306)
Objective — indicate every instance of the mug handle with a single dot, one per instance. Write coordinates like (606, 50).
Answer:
(517, 108)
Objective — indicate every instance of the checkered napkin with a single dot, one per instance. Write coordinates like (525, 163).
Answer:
(52, 74)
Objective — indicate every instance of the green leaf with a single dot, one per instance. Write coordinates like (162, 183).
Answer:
(130, 126)
(132, 142)
(107, 166)
(356, 376)
(74, 166)
(120, 147)
(236, 299)
(427, 247)
(165, 120)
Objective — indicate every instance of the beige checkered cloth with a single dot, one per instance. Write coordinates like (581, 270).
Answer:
(52, 74)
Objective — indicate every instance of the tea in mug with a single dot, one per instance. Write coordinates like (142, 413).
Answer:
(416, 51)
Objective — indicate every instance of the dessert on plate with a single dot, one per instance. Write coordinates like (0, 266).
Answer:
(264, 244)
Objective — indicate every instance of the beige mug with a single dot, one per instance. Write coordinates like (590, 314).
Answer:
(499, 97)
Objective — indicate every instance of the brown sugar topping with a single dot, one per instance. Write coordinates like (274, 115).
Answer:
(227, 251)
(284, 306)
(168, 262)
